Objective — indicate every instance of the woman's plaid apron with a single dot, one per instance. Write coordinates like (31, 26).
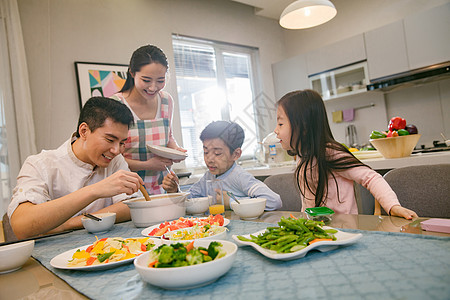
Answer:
(148, 132)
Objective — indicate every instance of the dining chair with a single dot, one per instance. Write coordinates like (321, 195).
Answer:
(285, 186)
(8, 233)
(423, 189)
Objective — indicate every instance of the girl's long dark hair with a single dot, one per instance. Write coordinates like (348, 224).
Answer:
(143, 56)
(310, 138)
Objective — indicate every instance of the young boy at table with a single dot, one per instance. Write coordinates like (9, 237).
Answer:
(86, 174)
(222, 143)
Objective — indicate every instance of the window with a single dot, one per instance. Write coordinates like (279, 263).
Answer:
(5, 195)
(215, 81)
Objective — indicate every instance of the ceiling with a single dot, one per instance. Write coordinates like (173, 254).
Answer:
(267, 8)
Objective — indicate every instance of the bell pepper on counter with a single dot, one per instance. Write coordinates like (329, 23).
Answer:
(377, 135)
(392, 133)
(403, 132)
(396, 123)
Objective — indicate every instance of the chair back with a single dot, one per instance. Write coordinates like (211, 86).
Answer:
(423, 189)
(8, 233)
(285, 186)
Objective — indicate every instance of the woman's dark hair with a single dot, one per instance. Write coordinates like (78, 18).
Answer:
(97, 109)
(229, 132)
(143, 56)
(310, 137)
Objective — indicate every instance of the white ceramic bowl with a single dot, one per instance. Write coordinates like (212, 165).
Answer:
(249, 208)
(221, 234)
(164, 207)
(107, 222)
(191, 276)
(196, 206)
(14, 256)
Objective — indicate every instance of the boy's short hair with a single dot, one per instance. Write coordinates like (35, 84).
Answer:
(97, 109)
(231, 133)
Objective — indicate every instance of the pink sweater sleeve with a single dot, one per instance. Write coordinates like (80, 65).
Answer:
(375, 183)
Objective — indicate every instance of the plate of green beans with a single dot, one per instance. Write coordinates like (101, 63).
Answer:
(293, 238)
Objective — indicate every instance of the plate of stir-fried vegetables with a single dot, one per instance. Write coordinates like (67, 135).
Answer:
(103, 254)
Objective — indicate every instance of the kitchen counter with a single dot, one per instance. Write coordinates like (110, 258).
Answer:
(417, 159)
(375, 163)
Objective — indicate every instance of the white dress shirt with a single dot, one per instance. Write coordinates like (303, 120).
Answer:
(52, 174)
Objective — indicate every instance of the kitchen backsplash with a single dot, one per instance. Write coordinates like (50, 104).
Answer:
(427, 106)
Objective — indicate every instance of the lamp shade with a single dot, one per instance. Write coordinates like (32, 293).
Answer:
(307, 13)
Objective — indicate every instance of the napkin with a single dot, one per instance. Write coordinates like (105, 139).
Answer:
(337, 116)
(348, 114)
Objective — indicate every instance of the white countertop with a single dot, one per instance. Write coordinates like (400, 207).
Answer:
(418, 159)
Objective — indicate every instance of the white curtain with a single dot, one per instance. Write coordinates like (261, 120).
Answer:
(15, 100)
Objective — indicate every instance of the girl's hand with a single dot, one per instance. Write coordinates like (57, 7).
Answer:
(159, 163)
(400, 211)
(169, 183)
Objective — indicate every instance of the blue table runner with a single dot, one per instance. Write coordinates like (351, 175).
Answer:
(381, 265)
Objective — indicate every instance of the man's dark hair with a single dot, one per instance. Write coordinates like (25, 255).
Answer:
(97, 109)
(231, 133)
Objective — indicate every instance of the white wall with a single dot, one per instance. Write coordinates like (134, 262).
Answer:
(366, 119)
(426, 106)
(59, 32)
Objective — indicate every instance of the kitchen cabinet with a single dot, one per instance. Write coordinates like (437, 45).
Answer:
(386, 50)
(290, 75)
(335, 55)
(427, 36)
(340, 82)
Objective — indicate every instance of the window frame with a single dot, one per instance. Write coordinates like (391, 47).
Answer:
(220, 48)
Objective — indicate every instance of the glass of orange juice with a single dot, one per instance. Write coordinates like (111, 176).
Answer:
(215, 197)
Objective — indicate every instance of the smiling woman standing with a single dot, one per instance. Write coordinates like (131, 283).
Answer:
(152, 109)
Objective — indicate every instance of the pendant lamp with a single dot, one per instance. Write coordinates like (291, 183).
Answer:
(307, 13)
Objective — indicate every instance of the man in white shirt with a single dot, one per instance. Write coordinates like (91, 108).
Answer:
(85, 174)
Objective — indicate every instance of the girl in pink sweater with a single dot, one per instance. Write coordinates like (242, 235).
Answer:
(326, 169)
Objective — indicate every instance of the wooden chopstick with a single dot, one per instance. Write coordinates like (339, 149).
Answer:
(35, 238)
(90, 216)
(144, 192)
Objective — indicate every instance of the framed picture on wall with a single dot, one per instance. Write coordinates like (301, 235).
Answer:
(99, 79)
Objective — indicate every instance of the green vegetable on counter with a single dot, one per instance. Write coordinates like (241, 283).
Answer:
(403, 132)
(377, 135)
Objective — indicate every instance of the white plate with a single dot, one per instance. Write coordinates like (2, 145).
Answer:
(146, 231)
(60, 261)
(187, 277)
(342, 238)
(166, 152)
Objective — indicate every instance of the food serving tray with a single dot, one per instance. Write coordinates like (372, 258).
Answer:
(342, 238)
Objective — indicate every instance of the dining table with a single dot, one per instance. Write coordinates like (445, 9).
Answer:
(394, 259)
